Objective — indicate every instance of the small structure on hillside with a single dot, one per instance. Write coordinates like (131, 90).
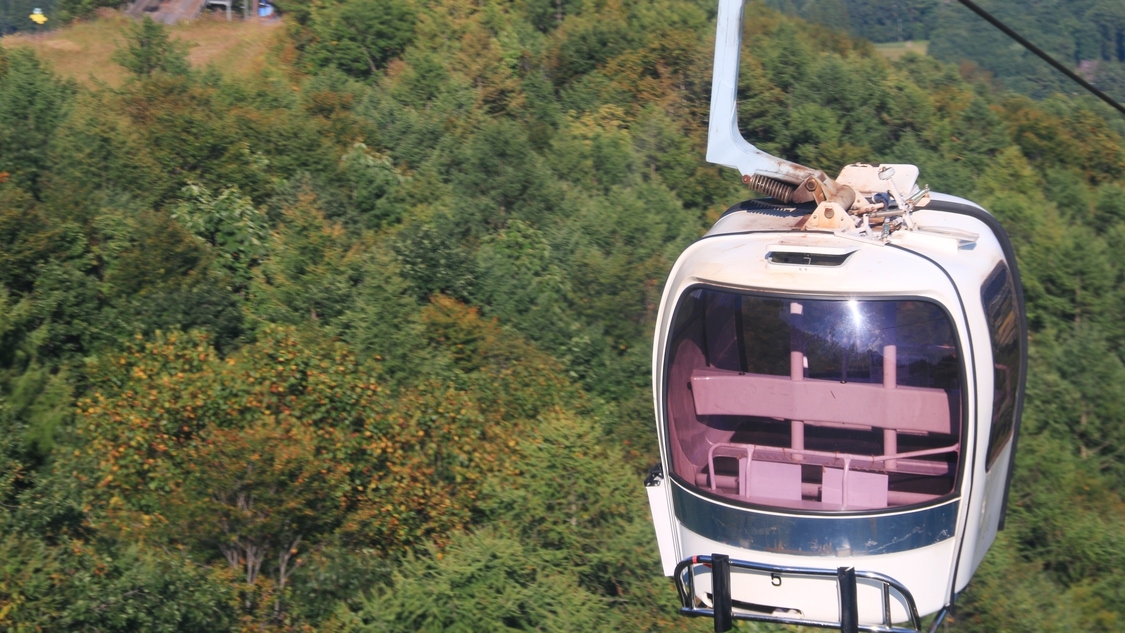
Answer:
(173, 11)
(220, 3)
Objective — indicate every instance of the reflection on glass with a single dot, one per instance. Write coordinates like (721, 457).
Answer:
(999, 300)
(817, 404)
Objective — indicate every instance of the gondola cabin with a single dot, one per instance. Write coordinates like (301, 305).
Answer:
(838, 373)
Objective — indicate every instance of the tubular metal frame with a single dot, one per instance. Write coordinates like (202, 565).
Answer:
(685, 584)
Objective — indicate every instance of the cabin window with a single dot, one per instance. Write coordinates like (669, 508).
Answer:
(999, 299)
(814, 404)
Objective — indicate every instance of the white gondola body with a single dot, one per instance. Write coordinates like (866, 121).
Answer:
(774, 452)
(934, 264)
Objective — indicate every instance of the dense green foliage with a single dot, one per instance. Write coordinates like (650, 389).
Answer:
(1087, 35)
(363, 343)
(148, 49)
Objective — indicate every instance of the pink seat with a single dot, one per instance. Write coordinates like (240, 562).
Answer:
(913, 409)
(865, 491)
(773, 480)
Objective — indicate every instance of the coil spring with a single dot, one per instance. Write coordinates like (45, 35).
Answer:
(773, 188)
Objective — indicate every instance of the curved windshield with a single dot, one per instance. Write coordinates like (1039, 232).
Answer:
(814, 404)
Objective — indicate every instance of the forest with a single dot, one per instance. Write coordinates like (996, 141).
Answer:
(1087, 35)
(362, 343)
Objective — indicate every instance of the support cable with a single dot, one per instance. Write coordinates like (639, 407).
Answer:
(972, 6)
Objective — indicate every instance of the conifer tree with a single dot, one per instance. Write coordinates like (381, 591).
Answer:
(148, 49)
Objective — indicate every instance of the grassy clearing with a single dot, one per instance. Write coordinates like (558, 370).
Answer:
(894, 50)
(82, 51)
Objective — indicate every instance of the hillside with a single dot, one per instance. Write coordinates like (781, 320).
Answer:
(81, 51)
(360, 341)
(1086, 35)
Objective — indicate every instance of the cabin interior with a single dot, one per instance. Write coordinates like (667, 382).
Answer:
(829, 405)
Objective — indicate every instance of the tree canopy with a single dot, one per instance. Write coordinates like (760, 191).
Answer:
(363, 342)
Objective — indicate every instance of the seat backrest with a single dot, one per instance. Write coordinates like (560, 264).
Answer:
(865, 491)
(773, 480)
(912, 409)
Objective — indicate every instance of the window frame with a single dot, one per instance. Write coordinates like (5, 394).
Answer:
(967, 378)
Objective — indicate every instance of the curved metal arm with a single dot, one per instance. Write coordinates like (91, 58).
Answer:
(725, 145)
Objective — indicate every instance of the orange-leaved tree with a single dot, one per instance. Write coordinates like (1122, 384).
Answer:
(253, 458)
(256, 492)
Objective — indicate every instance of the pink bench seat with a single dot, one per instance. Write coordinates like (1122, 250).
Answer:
(910, 409)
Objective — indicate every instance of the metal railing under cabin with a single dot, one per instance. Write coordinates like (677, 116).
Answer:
(724, 610)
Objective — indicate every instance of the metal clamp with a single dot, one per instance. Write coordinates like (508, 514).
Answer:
(723, 608)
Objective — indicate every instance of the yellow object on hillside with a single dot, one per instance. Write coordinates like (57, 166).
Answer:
(37, 16)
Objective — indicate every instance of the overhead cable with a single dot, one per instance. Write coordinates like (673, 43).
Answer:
(972, 6)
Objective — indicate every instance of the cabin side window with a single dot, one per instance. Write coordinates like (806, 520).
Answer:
(999, 300)
(821, 405)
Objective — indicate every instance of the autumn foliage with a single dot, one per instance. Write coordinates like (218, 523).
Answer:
(363, 343)
(286, 441)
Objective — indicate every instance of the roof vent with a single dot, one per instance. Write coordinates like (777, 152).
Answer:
(807, 255)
